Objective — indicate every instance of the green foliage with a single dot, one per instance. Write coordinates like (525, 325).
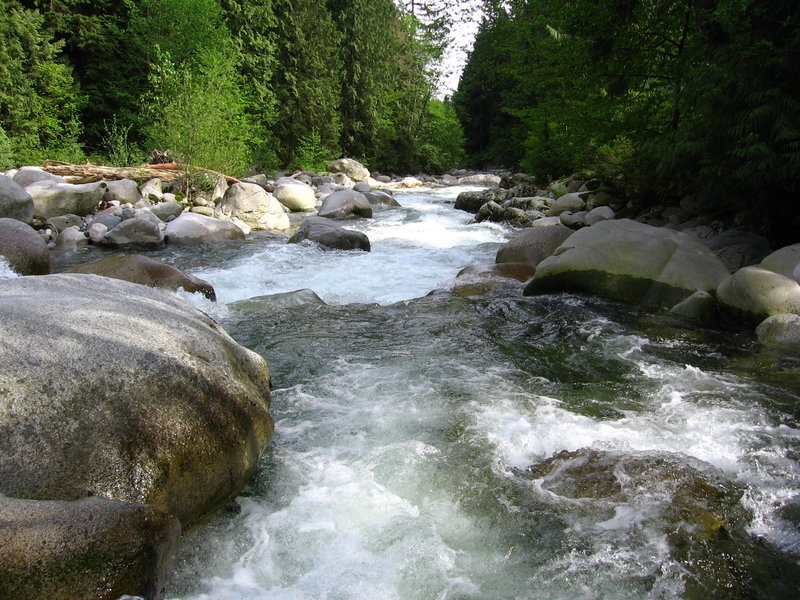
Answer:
(39, 102)
(198, 113)
(308, 83)
(312, 155)
(252, 25)
(443, 141)
(118, 146)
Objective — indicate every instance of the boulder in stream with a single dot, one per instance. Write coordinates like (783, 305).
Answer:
(630, 262)
(89, 548)
(119, 390)
(145, 271)
(24, 249)
(330, 236)
(345, 204)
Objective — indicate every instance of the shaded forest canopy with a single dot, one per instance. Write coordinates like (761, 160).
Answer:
(680, 100)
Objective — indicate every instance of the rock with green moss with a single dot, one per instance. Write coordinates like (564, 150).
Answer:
(630, 262)
(785, 261)
(752, 294)
(115, 389)
(92, 548)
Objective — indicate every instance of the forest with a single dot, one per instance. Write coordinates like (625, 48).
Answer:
(692, 101)
(232, 85)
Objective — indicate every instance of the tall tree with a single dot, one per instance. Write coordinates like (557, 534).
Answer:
(195, 104)
(39, 102)
(93, 43)
(252, 24)
(369, 52)
(307, 79)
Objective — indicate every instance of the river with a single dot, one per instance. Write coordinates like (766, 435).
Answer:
(430, 446)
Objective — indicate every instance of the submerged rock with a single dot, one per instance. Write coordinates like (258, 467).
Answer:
(631, 262)
(625, 495)
(119, 390)
(330, 236)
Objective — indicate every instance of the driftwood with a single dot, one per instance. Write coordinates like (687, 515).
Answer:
(88, 172)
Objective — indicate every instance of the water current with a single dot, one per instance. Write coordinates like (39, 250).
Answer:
(432, 446)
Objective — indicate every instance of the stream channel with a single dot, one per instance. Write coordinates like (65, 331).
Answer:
(430, 446)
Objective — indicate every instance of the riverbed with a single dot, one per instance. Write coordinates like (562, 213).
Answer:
(433, 446)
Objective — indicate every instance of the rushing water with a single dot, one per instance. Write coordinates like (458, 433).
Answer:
(498, 447)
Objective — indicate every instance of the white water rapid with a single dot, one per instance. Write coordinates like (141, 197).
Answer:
(407, 423)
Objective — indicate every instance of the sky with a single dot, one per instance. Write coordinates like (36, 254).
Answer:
(466, 20)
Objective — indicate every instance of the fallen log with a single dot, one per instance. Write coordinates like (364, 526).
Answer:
(90, 172)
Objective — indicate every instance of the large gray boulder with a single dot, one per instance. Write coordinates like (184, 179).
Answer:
(253, 205)
(567, 203)
(135, 233)
(375, 197)
(191, 229)
(119, 390)
(51, 198)
(15, 202)
(352, 168)
(785, 261)
(631, 262)
(780, 331)
(752, 294)
(145, 271)
(295, 195)
(26, 176)
(24, 249)
(122, 191)
(330, 236)
(346, 204)
(532, 245)
(89, 548)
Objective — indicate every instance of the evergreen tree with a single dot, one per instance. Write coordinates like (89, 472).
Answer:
(195, 104)
(307, 80)
(93, 43)
(252, 24)
(369, 51)
(39, 102)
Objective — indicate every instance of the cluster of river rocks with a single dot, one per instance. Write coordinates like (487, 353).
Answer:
(126, 414)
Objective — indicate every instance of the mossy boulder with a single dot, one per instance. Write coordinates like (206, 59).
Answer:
(630, 262)
(752, 294)
(115, 389)
(88, 549)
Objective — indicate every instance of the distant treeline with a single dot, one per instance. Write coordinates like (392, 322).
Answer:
(230, 85)
(695, 100)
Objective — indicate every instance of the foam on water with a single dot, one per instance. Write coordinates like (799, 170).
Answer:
(395, 468)
(414, 249)
(6, 272)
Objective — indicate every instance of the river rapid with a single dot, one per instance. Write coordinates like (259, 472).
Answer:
(430, 446)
